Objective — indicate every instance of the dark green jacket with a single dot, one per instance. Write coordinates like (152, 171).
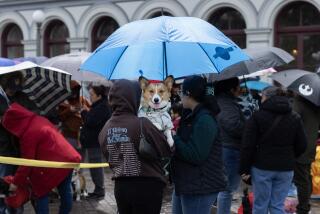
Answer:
(197, 167)
(310, 115)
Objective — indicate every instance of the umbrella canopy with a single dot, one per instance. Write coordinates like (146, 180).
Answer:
(264, 72)
(269, 57)
(261, 59)
(305, 83)
(46, 87)
(255, 85)
(159, 47)
(37, 59)
(71, 63)
(6, 62)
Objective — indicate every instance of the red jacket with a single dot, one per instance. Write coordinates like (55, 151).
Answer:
(39, 140)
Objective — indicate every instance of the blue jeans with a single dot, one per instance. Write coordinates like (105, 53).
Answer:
(192, 204)
(231, 160)
(65, 192)
(270, 189)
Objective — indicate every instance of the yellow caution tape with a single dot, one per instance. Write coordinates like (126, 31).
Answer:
(49, 164)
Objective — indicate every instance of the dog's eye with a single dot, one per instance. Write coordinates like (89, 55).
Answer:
(151, 91)
(161, 91)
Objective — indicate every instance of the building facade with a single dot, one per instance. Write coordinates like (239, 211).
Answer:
(71, 25)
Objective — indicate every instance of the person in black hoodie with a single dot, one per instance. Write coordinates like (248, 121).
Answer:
(139, 181)
(93, 121)
(273, 139)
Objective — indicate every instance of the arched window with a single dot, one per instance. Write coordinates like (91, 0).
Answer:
(103, 28)
(297, 30)
(231, 23)
(160, 13)
(12, 46)
(55, 39)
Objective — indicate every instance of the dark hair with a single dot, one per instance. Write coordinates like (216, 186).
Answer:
(177, 108)
(273, 91)
(7, 81)
(225, 86)
(197, 88)
(100, 90)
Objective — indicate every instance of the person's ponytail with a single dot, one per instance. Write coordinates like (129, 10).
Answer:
(199, 90)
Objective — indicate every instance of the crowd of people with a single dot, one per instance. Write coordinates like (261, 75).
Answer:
(218, 141)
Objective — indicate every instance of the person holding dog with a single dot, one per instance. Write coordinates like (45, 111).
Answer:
(139, 181)
(197, 168)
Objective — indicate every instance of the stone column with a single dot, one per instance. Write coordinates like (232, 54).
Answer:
(30, 48)
(78, 44)
(259, 37)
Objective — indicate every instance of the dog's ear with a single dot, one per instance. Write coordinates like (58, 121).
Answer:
(169, 82)
(143, 82)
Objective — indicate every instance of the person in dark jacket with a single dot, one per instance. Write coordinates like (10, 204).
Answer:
(231, 122)
(197, 168)
(8, 148)
(94, 120)
(310, 115)
(273, 139)
(139, 182)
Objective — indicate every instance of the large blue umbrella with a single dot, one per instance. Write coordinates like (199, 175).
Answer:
(156, 48)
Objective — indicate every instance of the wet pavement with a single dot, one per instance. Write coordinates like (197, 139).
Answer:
(108, 204)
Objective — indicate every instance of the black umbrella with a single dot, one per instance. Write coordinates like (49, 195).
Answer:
(261, 59)
(304, 83)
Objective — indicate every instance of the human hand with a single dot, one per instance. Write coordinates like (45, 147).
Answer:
(85, 108)
(74, 109)
(12, 188)
(245, 177)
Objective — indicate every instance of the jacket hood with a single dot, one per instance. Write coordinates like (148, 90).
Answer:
(124, 97)
(278, 104)
(74, 84)
(16, 119)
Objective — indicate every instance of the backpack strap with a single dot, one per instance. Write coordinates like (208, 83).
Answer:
(273, 126)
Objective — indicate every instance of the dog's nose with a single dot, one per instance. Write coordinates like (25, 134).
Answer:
(156, 100)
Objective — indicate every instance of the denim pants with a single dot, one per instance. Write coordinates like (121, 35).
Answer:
(65, 192)
(270, 189)
(192, 204)
(231, 160)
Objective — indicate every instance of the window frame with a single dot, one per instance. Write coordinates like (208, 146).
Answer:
(5, 44)
(50, 42)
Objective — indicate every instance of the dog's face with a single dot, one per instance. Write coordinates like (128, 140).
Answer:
(156, 94)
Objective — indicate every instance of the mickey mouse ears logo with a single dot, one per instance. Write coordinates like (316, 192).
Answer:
(223, 53)
(305, 90)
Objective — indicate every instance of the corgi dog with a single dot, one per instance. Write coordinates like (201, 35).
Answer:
(155, 104)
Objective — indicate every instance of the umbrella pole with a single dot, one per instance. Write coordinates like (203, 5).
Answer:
(165, 66)
(82, 95)
(245, 84)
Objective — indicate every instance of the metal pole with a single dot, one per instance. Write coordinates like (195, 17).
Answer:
(38, 39)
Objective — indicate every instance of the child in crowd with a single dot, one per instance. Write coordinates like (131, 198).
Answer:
(176, 111)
